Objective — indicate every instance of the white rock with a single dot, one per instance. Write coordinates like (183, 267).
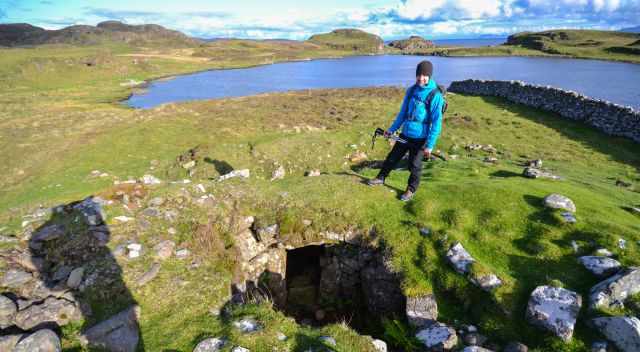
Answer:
(600, 266)
(460, 258)
(278, 173)
(240, 349)
(438, 335)
(622, 244)
(247, 325)
(604, 252)
(624, 332)
(151, 180)
(555, 309)
(557, 201)
(201, 188)
(122, 218)
(244, 173)
(210, 345)
(134, 247)
(379, 345)
(281, 336)
(182, 253)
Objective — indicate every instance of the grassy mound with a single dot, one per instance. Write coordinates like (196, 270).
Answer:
(57, 128)
(350, 39)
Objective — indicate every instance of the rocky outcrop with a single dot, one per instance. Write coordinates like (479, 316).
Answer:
(350, 39)
(612, 293)
(52, 310)
(43, 340)
(554, 309)
(413, 44)
(624, 332)
(612, 119)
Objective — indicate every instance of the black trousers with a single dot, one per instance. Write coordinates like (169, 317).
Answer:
(416, 154)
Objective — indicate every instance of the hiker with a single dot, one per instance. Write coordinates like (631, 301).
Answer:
(421, 119)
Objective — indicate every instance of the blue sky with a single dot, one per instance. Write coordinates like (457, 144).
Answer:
(434, 19)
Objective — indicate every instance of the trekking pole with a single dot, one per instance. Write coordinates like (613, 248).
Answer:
(380, 132)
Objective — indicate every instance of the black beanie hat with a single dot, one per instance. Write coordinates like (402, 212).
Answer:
(425, 68)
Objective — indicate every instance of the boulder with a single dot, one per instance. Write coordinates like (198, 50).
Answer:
(422, 310)
(615, 290)
(531, 172)
(43, 340)
(555, 309)
(557, 201)
(15, 278)
(8, 310)
(8, 342)
(438, 336)
(600, 266)
(75, 278)
(624, 332)
(459, 258)
(119, 333)
(53, 310)
(475, 349)
(516, 347)
(487, 282)
(211, 344)
(379, 345)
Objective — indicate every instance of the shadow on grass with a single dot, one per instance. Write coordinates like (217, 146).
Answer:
(620, 149)
(222, 167)
(505, 174)
(304, 343)
(364, 179)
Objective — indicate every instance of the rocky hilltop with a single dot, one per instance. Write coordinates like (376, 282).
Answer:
(413, 44)
(350, 39)
(21, 34)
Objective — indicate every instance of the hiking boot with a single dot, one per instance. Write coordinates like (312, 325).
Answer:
(375, 181)
(406, 196)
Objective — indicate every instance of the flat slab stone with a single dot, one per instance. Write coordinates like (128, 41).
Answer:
(52, 310)
(459, 258)
(8, 310)
(612, 292)
(558, 201)
(438, 336)
(422, 310)
(8, 342)
(554, 309)
(118, 333)
(624, 332)
(43, 340)
(15, 278)
(600, 266)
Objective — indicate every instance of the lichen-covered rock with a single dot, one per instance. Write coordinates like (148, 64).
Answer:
(15, 278)
(247, 325)
(532, 172)
(8, 342)
(613, 291)
(8, 310)
(554, 309)
(118, 333)
(459, 258)
(624, 332)
(487, 282)
(438, 336)
(211, 344)
(600, 266)
(557, 201)
(52, 310)
(43, 340)
(422, 310)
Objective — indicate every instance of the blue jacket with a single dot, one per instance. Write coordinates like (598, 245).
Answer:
(416, 122)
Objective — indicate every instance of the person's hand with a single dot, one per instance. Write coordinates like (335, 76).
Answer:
(427, 153)
(387, 134)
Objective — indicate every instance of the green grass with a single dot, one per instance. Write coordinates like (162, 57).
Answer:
(57, 127)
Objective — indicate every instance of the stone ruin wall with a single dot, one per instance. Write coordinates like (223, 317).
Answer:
(612, 119)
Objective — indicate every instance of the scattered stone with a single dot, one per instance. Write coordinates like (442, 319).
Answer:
(568, 217)
(459, 258)
(612, 293)
(200, 187)
(472, 147)
(172, 231)
(149, 275)
(151, 180)
(313, 173)
(575, 246)
(266, 234)
(438, 336)
(379, 345)
(624, 184)
(328, 340)
(557, 201)
(240, 349)
(164, 250)
(189, 165)
(475, 349)
(247, 325)
(624, 332)
(183, 253)
(43, 340)
(151, 212)
(8, 310)
(244, 173)
(211, 344)
(600, 266)
(425, 231)
(422, 310)
(122, 218)
(118, 333)
(281, 336)
(75, 278)
(599, 346)
(515, 347)
(622, 244)
(603, 252)
(156, 202)
(278, 173)
(52, 310)
(490, 159)
(358, 157)
(537, 163)
(15, 278)
(487, 282)
(489, 149)
(555, 309)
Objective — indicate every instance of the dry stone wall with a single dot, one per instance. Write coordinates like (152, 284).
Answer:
(612, 119)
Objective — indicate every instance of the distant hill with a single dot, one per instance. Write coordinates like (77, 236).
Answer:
(22, 34)
(413, 44)
(579, 43)
(350, 39)
(635, 29)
